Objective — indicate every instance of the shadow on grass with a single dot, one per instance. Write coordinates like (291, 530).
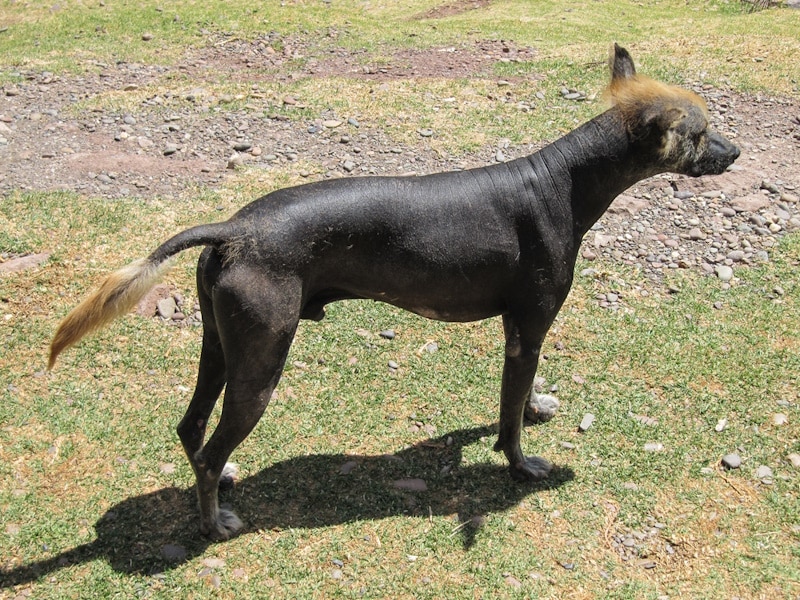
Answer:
(154, 532)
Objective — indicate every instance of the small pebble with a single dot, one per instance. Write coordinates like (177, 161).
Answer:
(586, 422)
(764, 473)
(731, 461)
(411, 485)
(173, 553)
(724, 273)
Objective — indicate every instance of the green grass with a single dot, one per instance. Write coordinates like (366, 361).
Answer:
(93, 482)
(95, 437)
(725, 41)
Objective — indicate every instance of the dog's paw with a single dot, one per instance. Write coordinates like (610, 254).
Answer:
(540, 408)
(533, 468)
(226, 526)
(227, 478)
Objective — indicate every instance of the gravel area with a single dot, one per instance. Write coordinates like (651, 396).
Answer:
(162, 148)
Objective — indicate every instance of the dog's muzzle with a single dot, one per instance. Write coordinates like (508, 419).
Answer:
(719, 155)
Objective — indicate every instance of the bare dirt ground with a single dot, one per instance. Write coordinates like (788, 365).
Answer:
(164, 148)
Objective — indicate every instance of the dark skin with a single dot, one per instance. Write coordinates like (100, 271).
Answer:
(461, 246)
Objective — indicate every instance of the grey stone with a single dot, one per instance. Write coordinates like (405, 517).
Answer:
(763, 473)
(411, 485)
(173, 553)
(725, 273)
(731, 461)
(586, 422)
(166, 307)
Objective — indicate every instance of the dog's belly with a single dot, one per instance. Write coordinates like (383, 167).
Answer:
(431, 293)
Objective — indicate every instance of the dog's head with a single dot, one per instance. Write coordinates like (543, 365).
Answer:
(669, 124)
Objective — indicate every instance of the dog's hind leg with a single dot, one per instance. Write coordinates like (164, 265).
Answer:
(256, 323)
(211, 371)
(523, 344)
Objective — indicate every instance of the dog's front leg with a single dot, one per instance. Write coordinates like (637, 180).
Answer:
(523, 345)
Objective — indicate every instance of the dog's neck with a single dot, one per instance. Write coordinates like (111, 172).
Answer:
(592, 165)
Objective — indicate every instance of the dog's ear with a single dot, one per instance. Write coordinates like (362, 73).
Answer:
(654, 120)
(663, 118)
(621, 64)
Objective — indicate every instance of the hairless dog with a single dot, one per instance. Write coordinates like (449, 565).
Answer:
(460, 246)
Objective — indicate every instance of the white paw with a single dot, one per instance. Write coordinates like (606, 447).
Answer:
(227, 478)
(541, 408)
(230, 470)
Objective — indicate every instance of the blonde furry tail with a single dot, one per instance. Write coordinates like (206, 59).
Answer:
(117, 294)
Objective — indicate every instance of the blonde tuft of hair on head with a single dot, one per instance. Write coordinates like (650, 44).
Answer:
(632, 94)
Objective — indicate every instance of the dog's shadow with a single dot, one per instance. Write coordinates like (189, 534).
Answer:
(154, 532)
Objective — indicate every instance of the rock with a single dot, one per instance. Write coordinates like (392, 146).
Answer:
(387, 334)
(731, 461)
(586, 422)
(721, 425)
(410, 485)
(235, 160)
(14, 265)
(787, 197)
(167, 307)
(628, 204)
(724, 273)
(794, 459)
(173, 553)
(653, 447)
(348, 467)
(752, 203)
(764, 473)
(779, 419)
(148, 306)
